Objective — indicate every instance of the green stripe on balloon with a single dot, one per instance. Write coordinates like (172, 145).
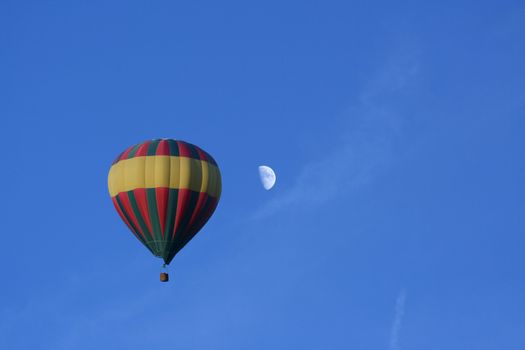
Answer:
(180, 235)
(154, 218)
(133, 151)
(133, 227)
(152, 148)
(173, 196)
(150, 241)
(174, 148)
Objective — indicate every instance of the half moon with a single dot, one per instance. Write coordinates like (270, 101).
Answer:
(267, 176)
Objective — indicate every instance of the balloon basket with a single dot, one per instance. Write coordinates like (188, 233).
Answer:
(164, 277)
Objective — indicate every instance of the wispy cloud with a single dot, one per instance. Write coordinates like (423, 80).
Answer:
(373, 125)
(393, 343)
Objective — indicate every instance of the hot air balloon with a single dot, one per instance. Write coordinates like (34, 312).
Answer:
(165, 191)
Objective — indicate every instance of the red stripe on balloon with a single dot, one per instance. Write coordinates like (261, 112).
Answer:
(143, 149)
(198, 208)
(124, 199)
(142, 202)
(211, 205)
(123, 217)
(125, 154)
(162, 193)
(184, 150)
(163, 149)
(182, 206)
(207, 211)
(201, 153)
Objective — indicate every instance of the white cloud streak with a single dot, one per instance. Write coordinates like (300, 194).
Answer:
(366, 146)
(393, 343)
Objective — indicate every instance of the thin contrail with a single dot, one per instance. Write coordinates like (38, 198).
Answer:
(398, 318)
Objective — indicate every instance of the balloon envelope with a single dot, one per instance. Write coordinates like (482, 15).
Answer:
(165, 191)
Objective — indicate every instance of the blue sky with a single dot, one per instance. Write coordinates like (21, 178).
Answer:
(397, 132)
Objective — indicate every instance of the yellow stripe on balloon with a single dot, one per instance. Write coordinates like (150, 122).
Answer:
(164, 171)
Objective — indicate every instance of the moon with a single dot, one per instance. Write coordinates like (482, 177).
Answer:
(267, 176)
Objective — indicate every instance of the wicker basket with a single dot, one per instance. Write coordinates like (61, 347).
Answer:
(164, 277)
